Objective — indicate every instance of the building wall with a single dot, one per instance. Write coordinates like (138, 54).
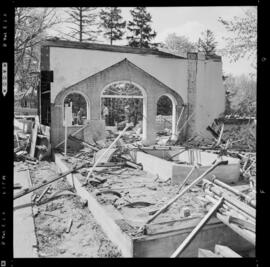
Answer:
(197, 81)
(92, 88)
(210, 94)
(72, 65)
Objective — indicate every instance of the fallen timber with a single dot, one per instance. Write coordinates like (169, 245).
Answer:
(29, 190)
(194, 232)
(196, 181)
(227, 198)
(231, 212)
(161, 238)
(238, 193)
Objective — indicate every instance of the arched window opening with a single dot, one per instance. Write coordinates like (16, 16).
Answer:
(122, 102)
(164, 116)
(78, 106)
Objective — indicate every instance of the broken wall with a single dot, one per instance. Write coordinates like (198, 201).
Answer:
(206, 93)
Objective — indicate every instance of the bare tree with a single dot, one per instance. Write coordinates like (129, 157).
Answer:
(31, 25)
(178, 44)
(243, 41)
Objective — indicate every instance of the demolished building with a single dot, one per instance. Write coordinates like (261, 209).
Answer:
(193, 81)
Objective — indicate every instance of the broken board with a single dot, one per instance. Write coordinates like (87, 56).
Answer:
(34, 137)
(107, 157)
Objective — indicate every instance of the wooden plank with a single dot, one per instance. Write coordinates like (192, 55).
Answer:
(226, 252)
(247, 235)
(107, 157)
(205, 253)
(34, 137)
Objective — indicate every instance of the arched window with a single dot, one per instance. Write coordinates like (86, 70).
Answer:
(122, 102)
(78, 107)
(122, 89)
(166, 115)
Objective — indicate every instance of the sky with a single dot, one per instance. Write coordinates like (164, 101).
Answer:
(190, 22)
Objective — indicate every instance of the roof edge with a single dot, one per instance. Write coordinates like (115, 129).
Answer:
(104, 47)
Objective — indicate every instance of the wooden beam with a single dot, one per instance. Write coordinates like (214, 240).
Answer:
(34, 137)
(247, 235)
(195, 231)
(196, 181)
(29, 190)
(103, 154)
(226, 252)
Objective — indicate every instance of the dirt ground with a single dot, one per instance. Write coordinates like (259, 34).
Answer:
(52, 218)
(137, 194)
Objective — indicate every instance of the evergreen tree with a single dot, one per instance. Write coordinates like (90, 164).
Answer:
(84, 22)
(207, 43)
(111, 21)
(140, 28)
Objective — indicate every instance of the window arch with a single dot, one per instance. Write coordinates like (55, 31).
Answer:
(79, 107)
(125, 89)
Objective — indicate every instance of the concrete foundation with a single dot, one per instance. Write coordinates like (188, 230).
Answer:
(160, 244)
(156, 163)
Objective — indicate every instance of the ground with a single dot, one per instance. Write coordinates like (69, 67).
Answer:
(85, 238)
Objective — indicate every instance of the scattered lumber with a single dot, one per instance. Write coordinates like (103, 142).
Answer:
(196, 181)
(242, 223)
(34, 137)
(238, 193)
(43, 193)
(29, 190)
(226, 252)
(196, 230)
(100, 158)
(246, 234)
(228, 208)
(238, 204)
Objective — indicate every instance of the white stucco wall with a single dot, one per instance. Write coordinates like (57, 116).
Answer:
(210, 93)
(72, 65)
